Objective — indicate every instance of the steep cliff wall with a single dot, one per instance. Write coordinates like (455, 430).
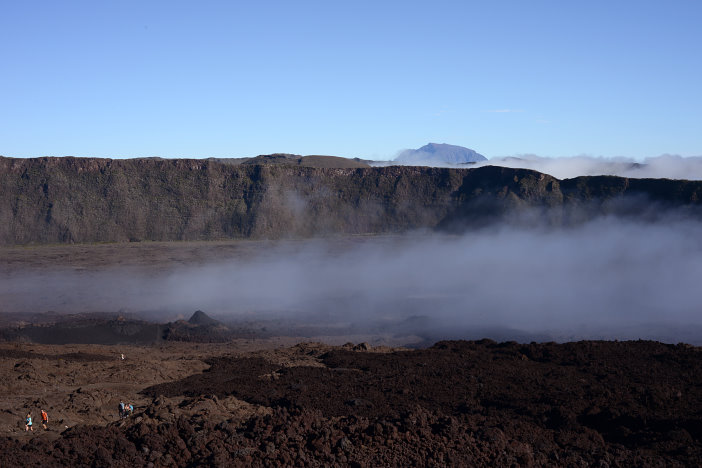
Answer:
(50, 200)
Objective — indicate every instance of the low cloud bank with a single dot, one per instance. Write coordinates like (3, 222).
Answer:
(608, 278)
(665, 166)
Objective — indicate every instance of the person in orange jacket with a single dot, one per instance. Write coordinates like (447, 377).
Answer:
(44, 419)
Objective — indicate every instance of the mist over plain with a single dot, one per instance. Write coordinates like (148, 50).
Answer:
(608, 278)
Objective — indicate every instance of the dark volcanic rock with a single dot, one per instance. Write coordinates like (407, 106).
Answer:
(106, 330)
(55, 200)
(362, 347)
(201, 318)
(93, 330)
(591, 401)
(455, 404)
(201, 328)
(80, 357)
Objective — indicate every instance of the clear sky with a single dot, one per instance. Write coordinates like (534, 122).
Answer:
(356, 78)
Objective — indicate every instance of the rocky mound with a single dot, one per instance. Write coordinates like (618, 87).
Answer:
(201, 318)
(201, 328)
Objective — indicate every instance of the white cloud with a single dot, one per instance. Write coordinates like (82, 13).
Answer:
(660, 167)
(665, 166)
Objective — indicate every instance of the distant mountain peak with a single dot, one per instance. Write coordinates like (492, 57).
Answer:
(439, 153)
(434, 147)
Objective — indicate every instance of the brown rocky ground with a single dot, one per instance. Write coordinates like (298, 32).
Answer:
(266, 403)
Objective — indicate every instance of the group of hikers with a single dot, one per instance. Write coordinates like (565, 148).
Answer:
(125, 410)
(28, 425)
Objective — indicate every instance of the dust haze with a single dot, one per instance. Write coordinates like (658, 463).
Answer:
(608, 278)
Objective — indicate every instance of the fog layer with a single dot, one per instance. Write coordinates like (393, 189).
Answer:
(605, 279)
(665, 166)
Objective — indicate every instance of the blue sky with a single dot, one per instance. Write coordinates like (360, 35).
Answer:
(354, 79)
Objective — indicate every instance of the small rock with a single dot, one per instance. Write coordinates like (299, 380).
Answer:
(345, 444)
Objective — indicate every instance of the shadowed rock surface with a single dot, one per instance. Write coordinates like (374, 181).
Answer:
(64, 200)
(89, 329)
(106, 329)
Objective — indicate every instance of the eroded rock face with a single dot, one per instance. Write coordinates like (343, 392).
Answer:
(57, 200)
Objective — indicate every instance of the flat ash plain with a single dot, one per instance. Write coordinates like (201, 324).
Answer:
(297, 401)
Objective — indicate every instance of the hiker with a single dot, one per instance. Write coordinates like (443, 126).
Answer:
(121, 409)
(28, 423)
(131, 409)
(44, 419)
